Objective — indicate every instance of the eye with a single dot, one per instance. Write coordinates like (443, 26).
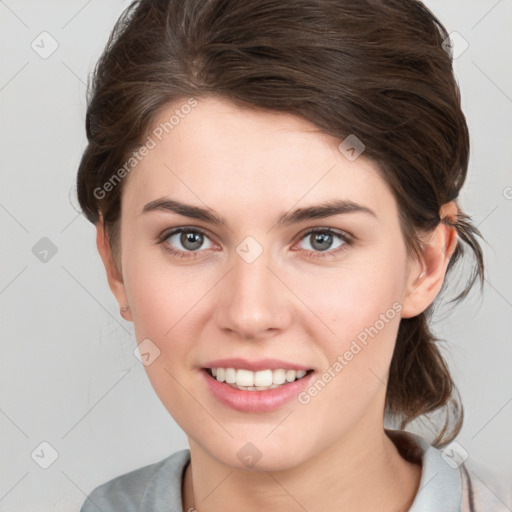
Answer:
(325, 242)
(184, 242)
(188, 242)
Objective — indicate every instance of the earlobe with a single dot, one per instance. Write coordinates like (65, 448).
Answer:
(427, 275)
(114, 275)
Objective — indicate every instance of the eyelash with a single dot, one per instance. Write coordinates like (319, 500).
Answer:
(344, 237)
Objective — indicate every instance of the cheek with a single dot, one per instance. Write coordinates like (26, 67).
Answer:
(354, 296)
(165, 303)
(160, 294)
(364, 312)
(360, 304)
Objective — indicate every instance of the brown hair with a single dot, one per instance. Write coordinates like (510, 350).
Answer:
(374, 68)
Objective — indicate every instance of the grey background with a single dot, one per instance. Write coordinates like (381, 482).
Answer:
(67, 369)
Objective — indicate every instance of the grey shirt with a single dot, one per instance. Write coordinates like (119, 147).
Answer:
(446, 485)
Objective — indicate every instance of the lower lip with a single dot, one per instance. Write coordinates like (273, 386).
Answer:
(255, 401)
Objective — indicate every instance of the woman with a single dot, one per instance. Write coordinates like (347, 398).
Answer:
(274, 187)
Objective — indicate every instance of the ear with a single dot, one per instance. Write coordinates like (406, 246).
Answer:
(426, 275)
(114, 275)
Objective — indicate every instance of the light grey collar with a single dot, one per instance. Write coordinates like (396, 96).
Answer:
(440, 488)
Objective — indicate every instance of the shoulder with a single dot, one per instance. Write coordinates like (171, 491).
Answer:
(483, 490)
(143, 488)
(450, 481)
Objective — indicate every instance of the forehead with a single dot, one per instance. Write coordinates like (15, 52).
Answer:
(226, 156)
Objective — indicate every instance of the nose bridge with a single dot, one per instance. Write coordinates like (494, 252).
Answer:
(254, 301)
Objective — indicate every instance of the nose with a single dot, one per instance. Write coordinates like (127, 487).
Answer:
(253, 302)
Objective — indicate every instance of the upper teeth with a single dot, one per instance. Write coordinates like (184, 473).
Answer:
(262, 378)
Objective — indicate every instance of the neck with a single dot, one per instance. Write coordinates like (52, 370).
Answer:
(364, 471)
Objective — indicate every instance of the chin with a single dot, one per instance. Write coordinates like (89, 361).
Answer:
(257, 455)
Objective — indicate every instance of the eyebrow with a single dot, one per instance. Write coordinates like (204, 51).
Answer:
(319, 211)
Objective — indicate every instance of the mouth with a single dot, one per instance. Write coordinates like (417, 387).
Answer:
(262, 380)
(261, 391)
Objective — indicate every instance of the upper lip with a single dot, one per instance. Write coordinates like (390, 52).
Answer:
(260, 364)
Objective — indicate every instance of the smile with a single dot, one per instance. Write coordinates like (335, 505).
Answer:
(262, 380)
(247, 394)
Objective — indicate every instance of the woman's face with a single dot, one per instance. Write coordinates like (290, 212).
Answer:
(259, 285)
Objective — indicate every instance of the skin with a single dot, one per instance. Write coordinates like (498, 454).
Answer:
(333, 453)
